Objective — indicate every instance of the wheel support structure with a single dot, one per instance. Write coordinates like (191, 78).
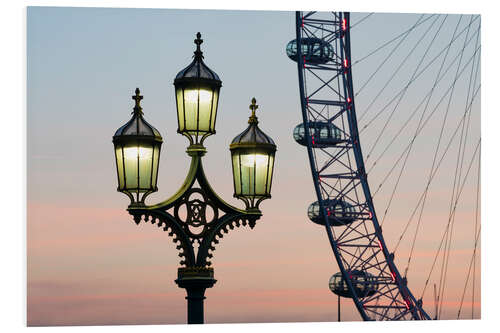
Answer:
(338, 172)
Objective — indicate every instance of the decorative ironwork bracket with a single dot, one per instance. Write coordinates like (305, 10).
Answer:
(195, 214)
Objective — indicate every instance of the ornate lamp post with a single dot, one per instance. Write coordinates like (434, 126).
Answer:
(195, 214)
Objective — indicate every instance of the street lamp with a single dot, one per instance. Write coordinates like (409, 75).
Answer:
(195, 214)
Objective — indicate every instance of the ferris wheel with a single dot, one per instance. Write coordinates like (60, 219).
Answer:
(332, 132)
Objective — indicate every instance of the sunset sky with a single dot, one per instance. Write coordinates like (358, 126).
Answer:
(89, 264)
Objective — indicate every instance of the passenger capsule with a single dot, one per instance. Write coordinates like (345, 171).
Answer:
(364, 284)
(323, 134)
(339, 212)
(315, 50)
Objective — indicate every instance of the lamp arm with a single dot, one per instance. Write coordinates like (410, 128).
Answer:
(195, 172)
(188, 183)
(219, 202)
(232, 216)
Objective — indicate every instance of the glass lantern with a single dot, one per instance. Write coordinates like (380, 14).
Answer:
(252, 154)
(137, 152)
(197, 97)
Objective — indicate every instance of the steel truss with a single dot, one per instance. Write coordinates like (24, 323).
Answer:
(338, 172)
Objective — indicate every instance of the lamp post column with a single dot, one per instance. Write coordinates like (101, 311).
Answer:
(195, 280)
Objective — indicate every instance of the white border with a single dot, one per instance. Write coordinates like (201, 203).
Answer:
(13, 155)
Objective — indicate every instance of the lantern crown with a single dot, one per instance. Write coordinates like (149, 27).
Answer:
(197, 70)
(253, 136)
(137, 127)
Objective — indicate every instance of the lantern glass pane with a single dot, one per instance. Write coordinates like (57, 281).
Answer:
(119, 166)
(198, 104)
(138, 162)
(190, 110)
(270, 174)
(145, 167)
(262, 161)
(214, 110)
(205, 97)
(180, 108)
(156, 162)
(247, 175)
(130, 166)
(236, 173)
(254, 173)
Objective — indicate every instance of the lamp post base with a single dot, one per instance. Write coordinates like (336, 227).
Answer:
(195, 280)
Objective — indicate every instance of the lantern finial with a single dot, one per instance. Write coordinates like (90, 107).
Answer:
(253, 118)
(137, 97)
(198, 41)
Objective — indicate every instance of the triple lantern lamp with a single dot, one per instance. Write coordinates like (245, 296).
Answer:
(138, 144)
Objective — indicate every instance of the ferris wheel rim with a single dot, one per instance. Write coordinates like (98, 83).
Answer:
(415, 309)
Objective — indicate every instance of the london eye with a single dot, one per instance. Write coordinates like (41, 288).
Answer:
(332, 131)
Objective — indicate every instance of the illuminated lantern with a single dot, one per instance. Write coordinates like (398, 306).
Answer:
(252, 154)
(137, 152)
(197, 96)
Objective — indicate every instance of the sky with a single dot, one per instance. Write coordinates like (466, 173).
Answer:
(89, 264)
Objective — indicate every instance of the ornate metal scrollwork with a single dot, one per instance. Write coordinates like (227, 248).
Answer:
(195, 214)
(195, 220)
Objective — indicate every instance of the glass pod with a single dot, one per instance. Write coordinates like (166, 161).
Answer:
(364, 284)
